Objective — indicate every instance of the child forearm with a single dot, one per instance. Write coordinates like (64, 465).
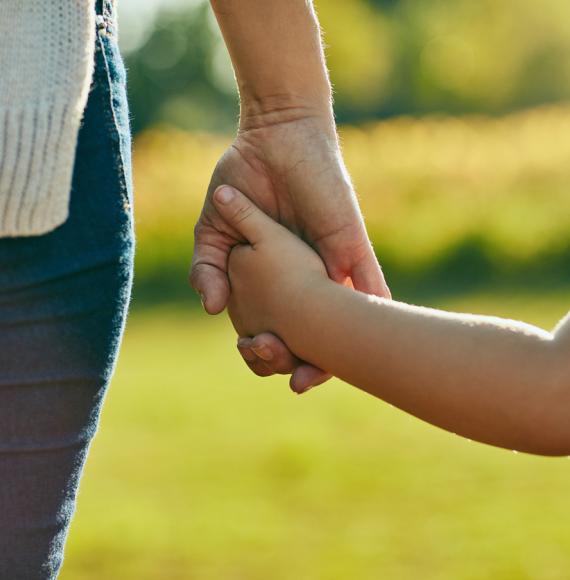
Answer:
(488, 379)
(494, 380)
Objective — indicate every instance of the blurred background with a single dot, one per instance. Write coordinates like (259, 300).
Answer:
(455, 122)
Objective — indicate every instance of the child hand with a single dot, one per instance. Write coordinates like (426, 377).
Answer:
(270, 275)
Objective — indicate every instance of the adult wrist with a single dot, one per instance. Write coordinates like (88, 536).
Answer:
(257, 112)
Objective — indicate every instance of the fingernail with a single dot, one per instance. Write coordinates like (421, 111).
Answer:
(262, 352)
(247, 355)
(243, 342)
(202, 299)
(302, 392)
(224, 194)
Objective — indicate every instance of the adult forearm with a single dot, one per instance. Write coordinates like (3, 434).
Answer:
(277, 54)
(488, 379)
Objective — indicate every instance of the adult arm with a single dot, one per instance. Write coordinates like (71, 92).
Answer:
(276, 51)
(286, 157)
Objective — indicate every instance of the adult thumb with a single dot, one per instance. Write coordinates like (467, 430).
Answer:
(241, 213)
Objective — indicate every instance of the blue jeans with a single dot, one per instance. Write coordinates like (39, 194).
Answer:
(63, 303)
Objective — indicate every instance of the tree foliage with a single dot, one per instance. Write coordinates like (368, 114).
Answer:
(386, 57)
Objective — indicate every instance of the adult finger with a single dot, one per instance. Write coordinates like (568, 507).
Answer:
(306, 377)
(212, 285)
(275, 353)
(367, 276)
(269, 349)
(255, 364)
(208, 273)
(277, 357)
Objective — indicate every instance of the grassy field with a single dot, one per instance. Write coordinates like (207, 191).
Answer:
(202, 471)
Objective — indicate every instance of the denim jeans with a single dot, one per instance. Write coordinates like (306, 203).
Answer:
(63, 303)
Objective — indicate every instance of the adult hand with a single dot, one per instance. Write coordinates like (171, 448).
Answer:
(289, 163)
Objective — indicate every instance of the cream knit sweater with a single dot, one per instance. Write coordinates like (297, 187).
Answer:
(46, 62)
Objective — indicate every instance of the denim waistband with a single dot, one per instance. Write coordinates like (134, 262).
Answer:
(105, 7)
(106, 17)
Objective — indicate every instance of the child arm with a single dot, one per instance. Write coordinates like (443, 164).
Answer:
(493, 380)
(497, 381)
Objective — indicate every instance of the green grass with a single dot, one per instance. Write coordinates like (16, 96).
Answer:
(202, 471)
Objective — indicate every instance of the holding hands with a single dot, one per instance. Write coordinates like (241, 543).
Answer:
(284, 260)
(270, 274)
(290, 165)
(286, 159)
(498, 381)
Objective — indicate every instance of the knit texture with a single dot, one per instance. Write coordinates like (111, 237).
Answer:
(46, 62)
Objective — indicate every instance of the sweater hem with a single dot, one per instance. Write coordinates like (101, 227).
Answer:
(37, 156)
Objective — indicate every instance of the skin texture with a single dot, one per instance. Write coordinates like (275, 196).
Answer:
(497, 381)
(286, 158)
